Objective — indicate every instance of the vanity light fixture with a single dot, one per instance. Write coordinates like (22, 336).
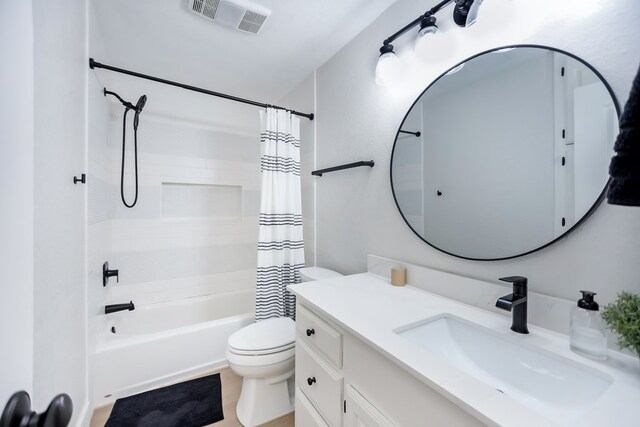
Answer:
(427, 26)
(465, 14)
(388, 65)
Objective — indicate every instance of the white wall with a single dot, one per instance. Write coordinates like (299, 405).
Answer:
(99, 161)
(60, 84)
(302, 99)
(16, 198)
(358, 120)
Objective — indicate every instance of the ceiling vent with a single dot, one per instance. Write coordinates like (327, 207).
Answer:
(237, 14)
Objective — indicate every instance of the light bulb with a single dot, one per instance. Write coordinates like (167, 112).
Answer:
(424, 42)
(387, 69)
(435, 43)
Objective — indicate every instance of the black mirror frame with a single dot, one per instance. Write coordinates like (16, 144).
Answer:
(595, 205)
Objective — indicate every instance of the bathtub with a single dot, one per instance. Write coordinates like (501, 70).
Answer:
(163, 342)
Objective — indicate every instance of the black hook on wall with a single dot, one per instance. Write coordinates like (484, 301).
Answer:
(82, 179)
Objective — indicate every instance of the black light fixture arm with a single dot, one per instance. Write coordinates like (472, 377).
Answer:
(94, 64)
(435, 9)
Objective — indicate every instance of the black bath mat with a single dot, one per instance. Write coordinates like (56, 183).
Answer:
(194, 403)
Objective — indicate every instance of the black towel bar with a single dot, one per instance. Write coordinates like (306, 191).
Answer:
(319, 172)
(417, 134)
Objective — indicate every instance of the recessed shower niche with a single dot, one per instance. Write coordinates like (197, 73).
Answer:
(201, 201)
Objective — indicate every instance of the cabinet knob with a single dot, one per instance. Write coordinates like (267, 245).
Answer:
(311, 380)
(310, 332)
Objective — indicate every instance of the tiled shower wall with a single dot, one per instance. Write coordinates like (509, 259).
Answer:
(194, 228)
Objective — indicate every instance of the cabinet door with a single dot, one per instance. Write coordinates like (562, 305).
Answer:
(361, 413)
(306, 415)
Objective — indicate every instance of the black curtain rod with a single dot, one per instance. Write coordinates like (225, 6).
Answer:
(94, 64)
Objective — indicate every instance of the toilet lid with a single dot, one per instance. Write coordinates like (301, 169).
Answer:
(318, 273)
(266, 335)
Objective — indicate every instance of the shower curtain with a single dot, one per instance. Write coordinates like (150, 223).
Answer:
(280, 245)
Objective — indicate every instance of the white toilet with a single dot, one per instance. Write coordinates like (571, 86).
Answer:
(264, 355)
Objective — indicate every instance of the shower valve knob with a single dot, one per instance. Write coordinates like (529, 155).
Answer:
(106, 273)
(310, 332)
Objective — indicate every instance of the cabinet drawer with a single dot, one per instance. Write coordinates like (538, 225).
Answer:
(306, 414)
(320, 383)
(316, 331)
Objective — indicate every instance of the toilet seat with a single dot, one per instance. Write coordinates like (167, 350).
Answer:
(263, 352)
(266, 337)
(262, 360)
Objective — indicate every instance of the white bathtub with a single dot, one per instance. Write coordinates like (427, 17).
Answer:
(162, 342)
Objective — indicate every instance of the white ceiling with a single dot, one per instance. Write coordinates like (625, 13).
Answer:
(163, 38)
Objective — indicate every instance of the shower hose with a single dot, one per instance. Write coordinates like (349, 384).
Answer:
(135, 154)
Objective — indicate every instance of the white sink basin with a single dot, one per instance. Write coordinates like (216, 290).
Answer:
(558, 388)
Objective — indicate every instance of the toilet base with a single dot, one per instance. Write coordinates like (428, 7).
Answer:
(265, 399)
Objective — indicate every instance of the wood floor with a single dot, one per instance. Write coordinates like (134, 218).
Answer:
(231, 386)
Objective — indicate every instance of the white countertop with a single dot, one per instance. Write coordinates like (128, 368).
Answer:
(367, 306)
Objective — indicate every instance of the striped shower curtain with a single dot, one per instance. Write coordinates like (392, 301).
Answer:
(280, 245)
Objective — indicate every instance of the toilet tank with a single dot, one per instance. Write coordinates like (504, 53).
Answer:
(309, 274)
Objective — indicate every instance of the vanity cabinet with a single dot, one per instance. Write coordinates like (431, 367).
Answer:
(342, 381)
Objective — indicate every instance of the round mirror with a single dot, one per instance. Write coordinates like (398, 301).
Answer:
(505, 153)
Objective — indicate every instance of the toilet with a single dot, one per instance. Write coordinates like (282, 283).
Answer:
(263, 354)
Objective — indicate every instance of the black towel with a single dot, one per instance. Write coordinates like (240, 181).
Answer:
(625, 165)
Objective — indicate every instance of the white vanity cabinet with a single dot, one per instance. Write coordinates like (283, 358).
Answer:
(342, 381)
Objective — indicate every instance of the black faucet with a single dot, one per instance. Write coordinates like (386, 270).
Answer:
(119, 307)
(516, 302)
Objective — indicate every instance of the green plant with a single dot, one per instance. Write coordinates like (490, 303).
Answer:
(623, 317)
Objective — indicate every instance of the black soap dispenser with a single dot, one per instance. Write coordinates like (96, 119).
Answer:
(588, 333)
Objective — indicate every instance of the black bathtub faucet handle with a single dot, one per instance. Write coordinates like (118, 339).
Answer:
(106, 273)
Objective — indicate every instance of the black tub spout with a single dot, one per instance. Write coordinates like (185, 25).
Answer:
(112, 308)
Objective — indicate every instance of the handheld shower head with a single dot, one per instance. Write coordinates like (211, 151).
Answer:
(140, 104)
(138, 108)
